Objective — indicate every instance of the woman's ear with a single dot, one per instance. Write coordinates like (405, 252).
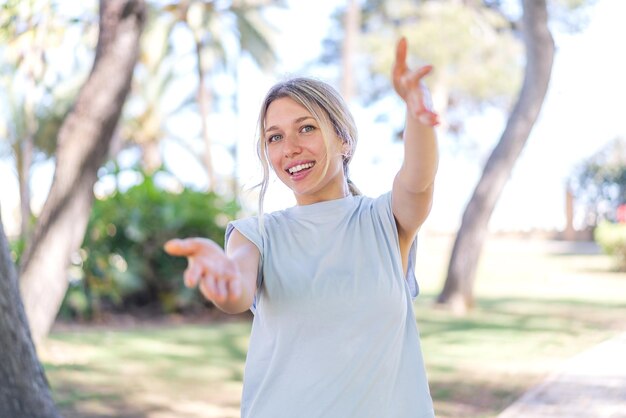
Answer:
(346, 149)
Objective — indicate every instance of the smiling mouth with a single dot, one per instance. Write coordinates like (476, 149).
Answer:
(300, 167)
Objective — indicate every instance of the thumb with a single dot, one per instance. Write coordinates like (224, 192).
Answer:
(176, 247)
(186, 247)
(399, 65)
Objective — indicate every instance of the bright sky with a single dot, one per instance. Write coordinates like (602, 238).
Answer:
(583, 111)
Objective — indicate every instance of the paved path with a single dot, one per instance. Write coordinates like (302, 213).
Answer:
(591, 385)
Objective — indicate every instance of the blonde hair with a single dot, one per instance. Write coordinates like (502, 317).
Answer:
(326, 106)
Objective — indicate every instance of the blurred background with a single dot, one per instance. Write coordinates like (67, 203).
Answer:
(580, 116)
(549, 232)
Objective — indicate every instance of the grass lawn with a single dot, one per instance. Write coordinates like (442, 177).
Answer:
(538, 304)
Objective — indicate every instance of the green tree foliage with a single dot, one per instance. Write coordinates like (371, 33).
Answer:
(122, 265)
(599, 183)
(474, 45)
(477, 55)
(473, 49)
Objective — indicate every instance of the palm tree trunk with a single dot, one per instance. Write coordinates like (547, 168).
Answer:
(352, 21)
(204, 102)
(83, 145)
(458, 288)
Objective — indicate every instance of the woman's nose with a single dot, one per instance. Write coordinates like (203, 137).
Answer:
(292, 146)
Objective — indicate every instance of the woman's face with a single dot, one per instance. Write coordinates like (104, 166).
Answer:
(298, 154)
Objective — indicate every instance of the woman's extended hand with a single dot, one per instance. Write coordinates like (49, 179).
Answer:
(408, 84)
(209, 268)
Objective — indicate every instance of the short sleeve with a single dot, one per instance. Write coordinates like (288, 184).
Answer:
(249, 228)
(382, 205)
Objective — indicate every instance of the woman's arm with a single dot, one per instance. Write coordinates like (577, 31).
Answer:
(413, 185)
(228, 279)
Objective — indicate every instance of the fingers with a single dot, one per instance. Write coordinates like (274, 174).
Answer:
(412, 80)
(410, 87)
(400, 66)
(220, 290)
(208, 287)
(179, 247)
(190, 247)
(423, 71)
(209, 268)
(192, 274)
(216, 278)
(235, 288)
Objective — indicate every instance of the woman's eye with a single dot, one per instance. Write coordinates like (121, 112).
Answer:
(274, 138)
(307, 128)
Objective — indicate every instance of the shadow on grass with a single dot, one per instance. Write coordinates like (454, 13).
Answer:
(92, 401)
(171, 371)
(553, 314)
(515, 315)
(470, 397)
(480, 363)
(78, 402)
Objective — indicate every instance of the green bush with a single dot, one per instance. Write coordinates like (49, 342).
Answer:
(611, 237)
(599, 182)
(122, 265)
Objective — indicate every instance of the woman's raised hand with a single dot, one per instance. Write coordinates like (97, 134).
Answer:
(209, 268)
(408, 84)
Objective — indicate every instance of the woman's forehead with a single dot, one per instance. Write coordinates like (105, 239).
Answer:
(285, 104)
(286, 110)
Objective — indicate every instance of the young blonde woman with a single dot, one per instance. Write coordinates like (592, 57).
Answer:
(330, 280)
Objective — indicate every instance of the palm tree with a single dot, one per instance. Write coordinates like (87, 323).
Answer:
(143, 123)
(27, 34)
(84, 140)
(352, 23)
(214, 26)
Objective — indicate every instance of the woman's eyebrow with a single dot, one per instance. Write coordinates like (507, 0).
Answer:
(300, 119)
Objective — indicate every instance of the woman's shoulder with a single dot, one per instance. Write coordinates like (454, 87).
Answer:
(245, 220)
(381, 201)
(254, 223)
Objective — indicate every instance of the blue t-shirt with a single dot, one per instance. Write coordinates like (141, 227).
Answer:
(334, 332)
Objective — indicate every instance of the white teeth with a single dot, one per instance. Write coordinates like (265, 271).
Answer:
(299, 167)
